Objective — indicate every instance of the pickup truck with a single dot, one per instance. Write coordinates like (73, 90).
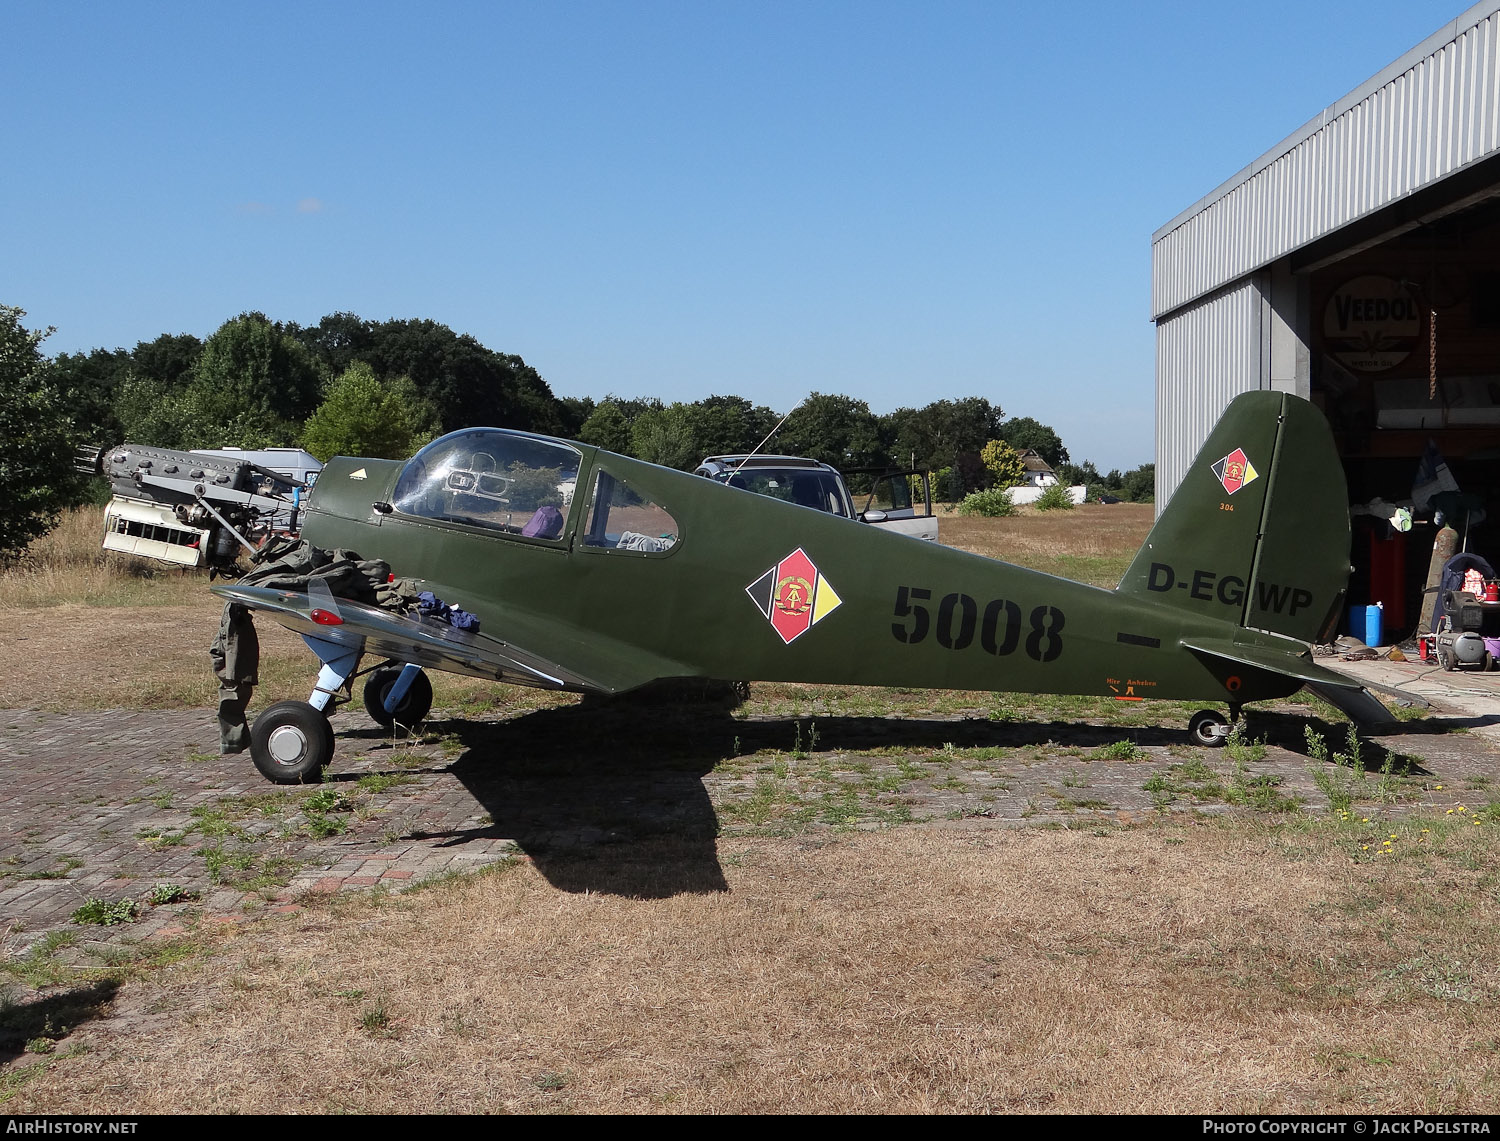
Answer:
(898, 501)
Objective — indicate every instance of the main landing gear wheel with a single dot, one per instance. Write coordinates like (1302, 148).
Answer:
(1208, 729)
(412, 709)
(291, 742)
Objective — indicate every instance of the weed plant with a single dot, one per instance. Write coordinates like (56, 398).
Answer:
(103, 913)
(992, 504)
(1055, 498)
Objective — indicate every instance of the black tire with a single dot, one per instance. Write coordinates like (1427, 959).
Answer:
(414, 706)
(1208, 729)
(291, 743)
(1445, 658)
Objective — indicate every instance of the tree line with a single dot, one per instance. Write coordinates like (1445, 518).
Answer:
(351, 386)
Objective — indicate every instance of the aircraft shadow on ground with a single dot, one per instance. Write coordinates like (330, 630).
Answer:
(600, 801)
(609, 797)
(53, 1016)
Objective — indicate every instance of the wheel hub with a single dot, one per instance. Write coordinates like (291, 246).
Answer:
(287, 745)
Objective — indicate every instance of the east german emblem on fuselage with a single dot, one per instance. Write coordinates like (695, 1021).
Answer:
(1235, 470)
(794, 596)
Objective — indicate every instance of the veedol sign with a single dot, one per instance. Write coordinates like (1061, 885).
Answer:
(1371, 323)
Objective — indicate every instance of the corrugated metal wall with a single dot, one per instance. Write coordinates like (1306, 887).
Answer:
(1206, 355)
(1432, 116)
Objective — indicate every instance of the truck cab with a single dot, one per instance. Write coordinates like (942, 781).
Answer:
(893, 501)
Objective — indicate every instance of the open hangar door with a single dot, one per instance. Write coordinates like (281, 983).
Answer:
(1402, 324)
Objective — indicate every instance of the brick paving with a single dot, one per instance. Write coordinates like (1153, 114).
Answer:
(86, 795)
(618, 799)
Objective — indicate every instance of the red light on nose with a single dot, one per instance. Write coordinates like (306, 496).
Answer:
(326, 617)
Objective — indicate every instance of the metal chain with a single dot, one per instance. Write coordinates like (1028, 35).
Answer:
(1432, 354)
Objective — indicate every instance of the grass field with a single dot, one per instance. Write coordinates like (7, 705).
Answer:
(1241, 953)
(1244, 967)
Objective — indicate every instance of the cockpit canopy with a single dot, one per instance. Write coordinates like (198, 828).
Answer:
(488, 477)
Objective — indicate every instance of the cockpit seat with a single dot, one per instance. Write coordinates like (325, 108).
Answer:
(546, 523)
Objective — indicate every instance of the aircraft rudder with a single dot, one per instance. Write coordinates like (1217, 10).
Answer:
(1199, 555)
(1257, 533)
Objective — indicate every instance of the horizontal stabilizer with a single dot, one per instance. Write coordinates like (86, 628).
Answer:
(1359, 705)
(1343, 693)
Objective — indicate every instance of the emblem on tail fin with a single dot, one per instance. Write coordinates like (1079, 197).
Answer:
(1235, 470)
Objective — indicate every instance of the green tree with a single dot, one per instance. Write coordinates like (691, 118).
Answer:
(150, 411)
(1139, 484)
(170, 358)
(1055, 497)
(665, 436)
(728, 425)
(992, 504)
(364, 416)
(337, 341)
(92, 385)
(574, 411)
(254, 384)
(35, 438)
(836, 430)
(1022, 432)
(1003, 463)
(607, 427)
(946, 433)
(87, 382)
(1075, 474)
(467, 383)
(943, 430)
(634, 407)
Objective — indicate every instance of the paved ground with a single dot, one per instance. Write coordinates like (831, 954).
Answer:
(108, 805)
(1466, 692)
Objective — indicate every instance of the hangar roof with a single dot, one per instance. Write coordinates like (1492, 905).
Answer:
(1431, 113)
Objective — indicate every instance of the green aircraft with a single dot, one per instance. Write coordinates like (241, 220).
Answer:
(595, 573)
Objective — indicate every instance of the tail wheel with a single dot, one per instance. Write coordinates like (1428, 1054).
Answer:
(412, 709)
(291, 743)
(1208, 729)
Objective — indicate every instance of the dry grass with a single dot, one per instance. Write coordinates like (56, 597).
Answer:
(1093, 543)
(66, 565)
(81, 628)
(1180, 968)
(79, 656)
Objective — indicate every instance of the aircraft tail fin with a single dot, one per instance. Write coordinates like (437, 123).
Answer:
(1257, 534)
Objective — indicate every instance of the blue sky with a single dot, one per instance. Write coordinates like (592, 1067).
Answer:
(899, 202)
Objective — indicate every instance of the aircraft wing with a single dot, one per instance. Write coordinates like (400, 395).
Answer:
(427, 642)
(1343, 693)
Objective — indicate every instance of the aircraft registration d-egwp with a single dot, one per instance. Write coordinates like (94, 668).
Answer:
(595, 573)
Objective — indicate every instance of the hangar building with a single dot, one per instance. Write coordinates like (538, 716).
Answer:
(1357, 264)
